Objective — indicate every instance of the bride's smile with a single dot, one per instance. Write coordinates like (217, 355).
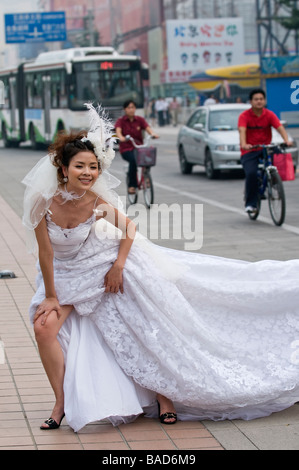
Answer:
(82, 172)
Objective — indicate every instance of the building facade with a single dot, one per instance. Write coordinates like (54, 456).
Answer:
(138, 27)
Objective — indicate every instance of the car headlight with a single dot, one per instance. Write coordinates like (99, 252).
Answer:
(228, 148)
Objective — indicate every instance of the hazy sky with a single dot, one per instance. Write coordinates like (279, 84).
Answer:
(16, 6)
(9, 52)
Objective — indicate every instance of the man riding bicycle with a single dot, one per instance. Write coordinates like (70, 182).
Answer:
(132, 125)
(255, 128)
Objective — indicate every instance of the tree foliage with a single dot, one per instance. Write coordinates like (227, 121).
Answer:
(290, 22)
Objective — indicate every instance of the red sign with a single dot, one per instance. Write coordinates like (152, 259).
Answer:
(175, 76)
(106, 65)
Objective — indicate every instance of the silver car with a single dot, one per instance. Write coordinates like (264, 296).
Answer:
(211, 138)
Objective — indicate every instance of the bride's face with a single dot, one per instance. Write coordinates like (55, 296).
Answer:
(82, 172)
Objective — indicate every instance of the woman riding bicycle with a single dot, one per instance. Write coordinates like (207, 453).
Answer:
(255, 127)
(132, 125)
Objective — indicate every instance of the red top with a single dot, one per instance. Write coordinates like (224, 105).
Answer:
(258, 127)
(133, 128)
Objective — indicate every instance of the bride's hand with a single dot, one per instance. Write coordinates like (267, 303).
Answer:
(113, 281)
(47, 306)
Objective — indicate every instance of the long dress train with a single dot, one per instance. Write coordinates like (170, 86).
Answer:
(217, 336)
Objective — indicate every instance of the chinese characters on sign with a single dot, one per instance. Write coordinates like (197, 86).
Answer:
(35, 27)
(177, 76)
(198, 45)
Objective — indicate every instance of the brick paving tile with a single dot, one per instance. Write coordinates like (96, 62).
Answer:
(154, 434)
(26, 398)
(6, 425)
(188, 433)
(56, 438)
(106, 446)
(152, 445)
(60, 447)
(14, 448)
(196, 443)
(105, 436)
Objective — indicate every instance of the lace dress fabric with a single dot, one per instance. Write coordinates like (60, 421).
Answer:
(217, 336)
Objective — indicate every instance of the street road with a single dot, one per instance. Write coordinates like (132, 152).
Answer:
(227, 230)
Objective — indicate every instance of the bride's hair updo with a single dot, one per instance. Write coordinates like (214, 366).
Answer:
(65, 147)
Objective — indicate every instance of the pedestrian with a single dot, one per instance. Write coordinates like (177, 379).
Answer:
(166, 115)
(152, 113)
(174, 110)
(121, 322)
(160, 108)
(255, 128)
(210, 100)
(133, 125)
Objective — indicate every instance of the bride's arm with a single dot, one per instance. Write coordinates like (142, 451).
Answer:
(45, 254)
(114, 278)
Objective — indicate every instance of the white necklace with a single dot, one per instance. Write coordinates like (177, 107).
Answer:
(70, 195)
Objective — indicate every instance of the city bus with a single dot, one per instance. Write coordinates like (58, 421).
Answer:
(47, 95)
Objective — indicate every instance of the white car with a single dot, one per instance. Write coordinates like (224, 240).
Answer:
(211, 138)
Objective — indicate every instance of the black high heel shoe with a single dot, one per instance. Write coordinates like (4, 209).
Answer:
(52, 424)
(167, 415)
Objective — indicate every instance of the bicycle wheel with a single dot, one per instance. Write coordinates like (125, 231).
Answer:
(132, 198)
(276, 198)
(148, 188)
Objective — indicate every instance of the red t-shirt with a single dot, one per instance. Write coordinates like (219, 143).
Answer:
(259, 128)
(133, 128)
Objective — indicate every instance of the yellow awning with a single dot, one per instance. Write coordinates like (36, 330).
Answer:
(245, 75)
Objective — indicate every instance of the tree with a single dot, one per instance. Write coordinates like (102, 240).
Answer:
(89, 36)
(87, 39)
(290, 22)
(285, 13)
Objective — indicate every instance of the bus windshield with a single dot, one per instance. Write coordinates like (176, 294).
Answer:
(107, 83)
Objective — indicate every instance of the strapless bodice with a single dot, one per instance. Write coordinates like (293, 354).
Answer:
(67, 242)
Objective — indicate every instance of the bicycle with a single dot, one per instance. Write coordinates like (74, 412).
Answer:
(145, 158)
(270, 181)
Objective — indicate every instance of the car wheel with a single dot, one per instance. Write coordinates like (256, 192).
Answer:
(186, 167)
(209, 166)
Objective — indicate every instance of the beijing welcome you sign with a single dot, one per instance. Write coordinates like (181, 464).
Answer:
(204, 44)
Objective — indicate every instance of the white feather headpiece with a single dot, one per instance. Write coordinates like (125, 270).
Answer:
(100, 134)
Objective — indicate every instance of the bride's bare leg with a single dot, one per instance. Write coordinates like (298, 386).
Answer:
(52, 356)
(166, 406)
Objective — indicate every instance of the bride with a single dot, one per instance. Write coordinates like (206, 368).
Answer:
(206, 338)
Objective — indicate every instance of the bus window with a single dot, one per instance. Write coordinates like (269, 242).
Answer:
(29, 91)
(110, 87)
(58, 89)
(122, 84)
(34, 87)
(5, 103)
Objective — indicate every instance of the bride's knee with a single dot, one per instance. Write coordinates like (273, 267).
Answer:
(45, 332)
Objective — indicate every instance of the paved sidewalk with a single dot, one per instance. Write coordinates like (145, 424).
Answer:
(26, 398)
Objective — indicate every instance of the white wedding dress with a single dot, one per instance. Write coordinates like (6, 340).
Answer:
(215, 335)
